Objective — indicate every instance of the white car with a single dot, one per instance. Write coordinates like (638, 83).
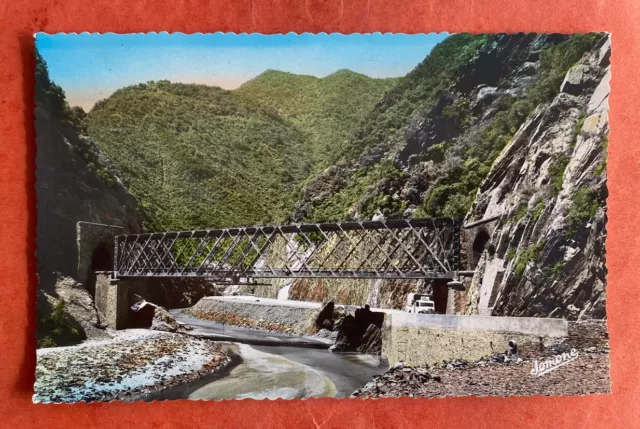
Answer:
(419, 303)
(425, 307)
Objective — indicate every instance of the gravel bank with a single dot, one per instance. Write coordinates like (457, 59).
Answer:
(588, 374)
(135, 362)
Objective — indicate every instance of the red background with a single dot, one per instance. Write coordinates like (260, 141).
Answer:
(19, 19)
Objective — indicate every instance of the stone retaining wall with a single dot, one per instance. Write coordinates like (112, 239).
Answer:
(421, 339)
(282, 318)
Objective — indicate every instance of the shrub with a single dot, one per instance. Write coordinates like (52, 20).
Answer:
(521, 213)
(57, 328)
(557, 268)
(459, 112)
(447, 200)
(577, 130)
(456, 191)
(556, 171)
(491, 249)
(437, 152)
(537, 211)
(583, 208)
(531, 254)
(602, 166)
(314, 238)
(457, 205)
(580, 124)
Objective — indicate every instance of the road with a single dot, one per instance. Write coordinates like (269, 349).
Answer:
(285, 366)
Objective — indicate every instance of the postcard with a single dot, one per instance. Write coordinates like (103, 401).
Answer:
(230, 216)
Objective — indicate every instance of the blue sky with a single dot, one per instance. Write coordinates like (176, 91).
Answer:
(89, 67)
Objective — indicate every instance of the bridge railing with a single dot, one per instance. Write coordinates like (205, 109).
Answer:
(392, 249)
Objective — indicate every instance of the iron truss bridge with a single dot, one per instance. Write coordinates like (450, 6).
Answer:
(392, 249)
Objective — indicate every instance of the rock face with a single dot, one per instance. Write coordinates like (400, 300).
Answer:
(371, 341)
(549, 188)
(68, 191)
(67, 316)
(79, 305)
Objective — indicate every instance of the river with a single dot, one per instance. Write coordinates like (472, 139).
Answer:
(275, 366)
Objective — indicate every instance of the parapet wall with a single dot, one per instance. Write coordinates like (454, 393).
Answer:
(429, 339)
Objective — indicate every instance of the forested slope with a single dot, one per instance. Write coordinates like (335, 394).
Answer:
(327, 109)
(200, 157)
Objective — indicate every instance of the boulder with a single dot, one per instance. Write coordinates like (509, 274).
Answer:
(355, 330)
(325, 317)
(325, 333)
(144, 314)
(163, 320)
(339, 313)
(484, 97)
(78, 304)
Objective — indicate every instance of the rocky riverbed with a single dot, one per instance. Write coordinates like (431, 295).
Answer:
(131, 364)
(577, 365)
(587, 374)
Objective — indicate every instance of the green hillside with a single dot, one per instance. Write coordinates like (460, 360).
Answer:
(199, 156)
(348, 183)
(327, 109)
(442, 179)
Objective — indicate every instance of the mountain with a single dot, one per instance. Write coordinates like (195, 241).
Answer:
(512, 127)
(424, 150)
(328, 109)
(343, 189)
(201, 157)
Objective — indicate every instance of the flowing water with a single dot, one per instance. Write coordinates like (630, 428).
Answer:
(280, 368)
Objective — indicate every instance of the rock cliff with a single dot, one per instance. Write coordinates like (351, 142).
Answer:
(74, 182)
(549, 189)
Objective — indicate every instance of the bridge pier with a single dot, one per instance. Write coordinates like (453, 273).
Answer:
(111, 299)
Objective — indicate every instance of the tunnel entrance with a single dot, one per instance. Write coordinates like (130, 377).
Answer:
(480, 242)
(440, 296)
(101, 260)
